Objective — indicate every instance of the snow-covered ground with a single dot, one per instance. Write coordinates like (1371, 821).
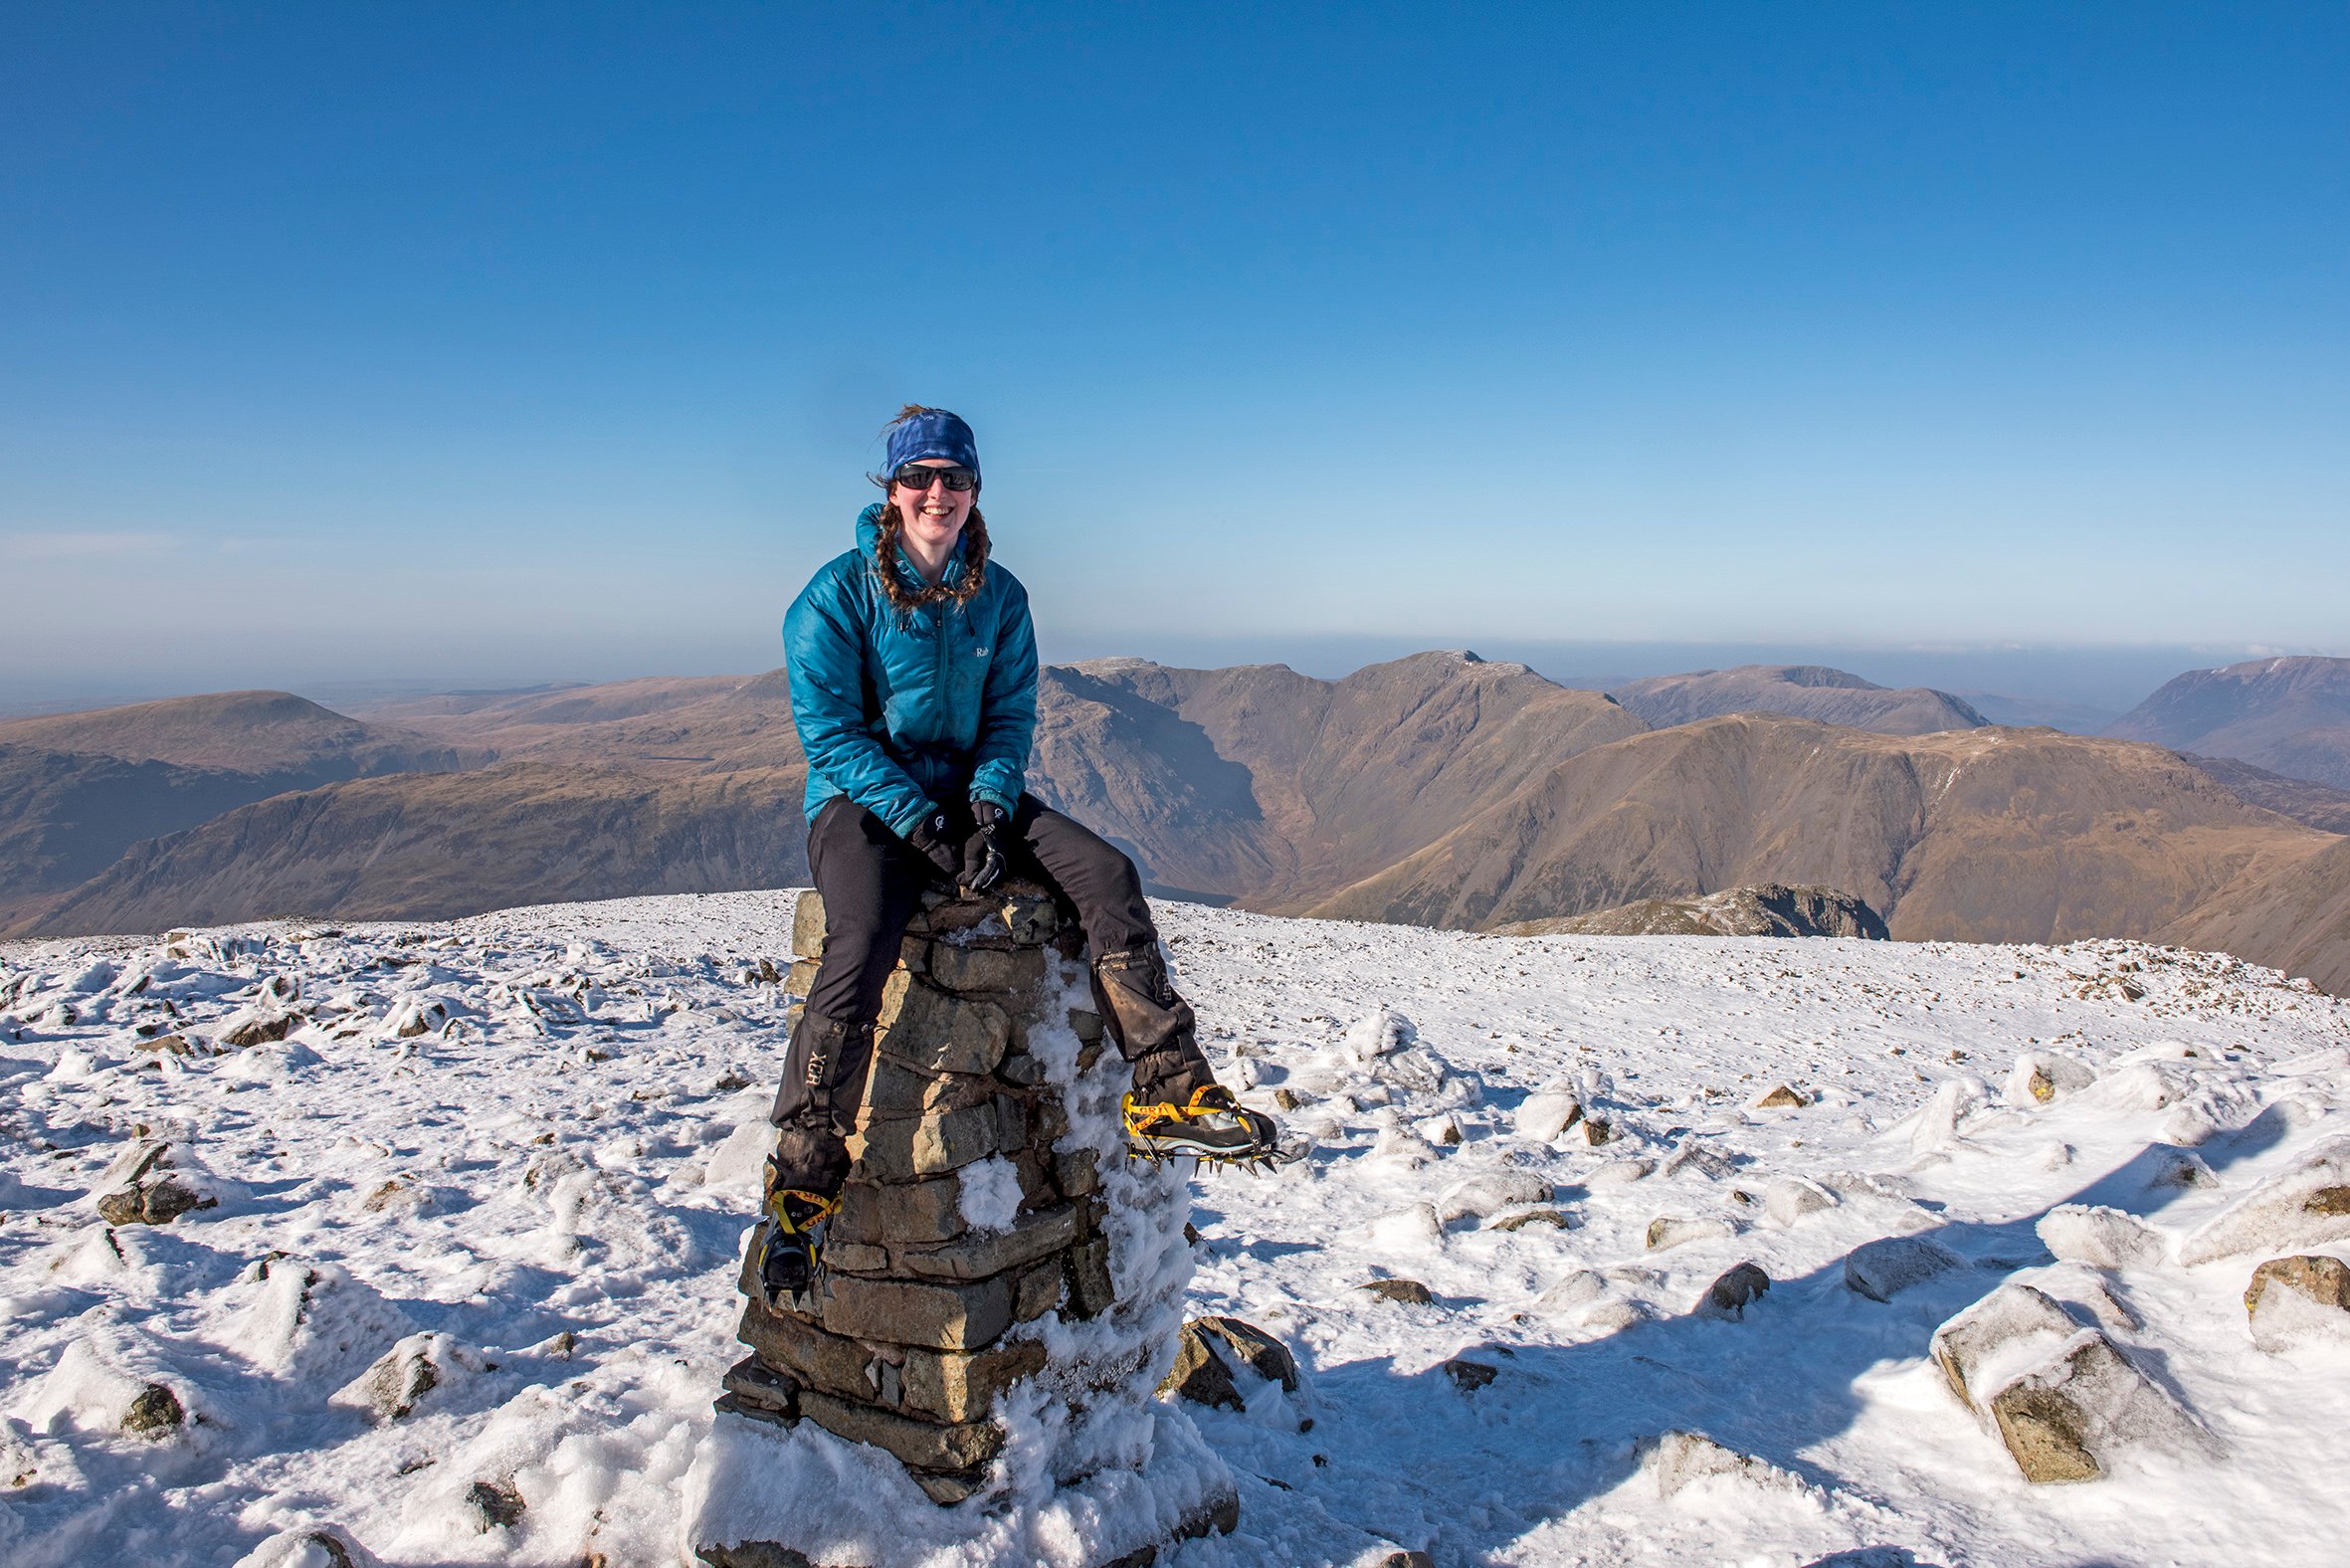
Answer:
(555, 1166)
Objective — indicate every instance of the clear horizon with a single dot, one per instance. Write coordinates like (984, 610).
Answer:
(547, 343)
(2110, 678)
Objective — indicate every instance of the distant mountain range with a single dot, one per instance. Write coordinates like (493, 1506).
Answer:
(1833, 697)
(2289, 716)
(1440, 789)
(78, 790)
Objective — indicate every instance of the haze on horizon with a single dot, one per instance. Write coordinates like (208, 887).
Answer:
(526, 343)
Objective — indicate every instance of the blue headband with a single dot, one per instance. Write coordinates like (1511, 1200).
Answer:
(933, 434)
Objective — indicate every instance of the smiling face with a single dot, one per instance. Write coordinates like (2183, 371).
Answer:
(934, 517)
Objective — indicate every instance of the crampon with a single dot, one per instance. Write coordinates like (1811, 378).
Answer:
(1214, 1128)
(788, 1258)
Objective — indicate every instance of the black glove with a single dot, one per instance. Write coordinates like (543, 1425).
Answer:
(983, 852)
(929, 838)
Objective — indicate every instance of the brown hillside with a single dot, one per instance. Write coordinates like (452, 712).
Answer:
(1344, 776)
(1983, 835)
(437, 846)
(259, 732)
(2296, 919)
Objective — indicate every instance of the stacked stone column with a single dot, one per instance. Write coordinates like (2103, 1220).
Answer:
(905, 1345)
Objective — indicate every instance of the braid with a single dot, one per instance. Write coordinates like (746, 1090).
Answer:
(904, 599)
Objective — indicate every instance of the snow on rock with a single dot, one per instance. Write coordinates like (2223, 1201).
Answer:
(2101, 1237)
(2039, 1076)
(400, 1379)
(2291, 1299)
(1543, 1116)
(568, 1165)
(1883, 1269)
(2064, 1398)
(2298, 1207)
(990, 1194)
(312, 1323)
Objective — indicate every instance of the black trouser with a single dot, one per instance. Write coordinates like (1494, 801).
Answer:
(872, 881)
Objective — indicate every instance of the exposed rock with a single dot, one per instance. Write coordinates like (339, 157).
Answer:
(940, 1316)
(1469, 1376)
(1883, 1269)
(1542, 1214)
(416, 1016)
(2301, 1207)
(402, 1376)
(1211, 1349)
(1737, 1289)
(1771, 910)
(1781, 1098)
(496, 1506)
(154, 1412)
(1410, 1292)
(2061, 1397)
(918, 1445)
(2291, 1299)
(262, 1030)
(932, 1031)
(144, 1184)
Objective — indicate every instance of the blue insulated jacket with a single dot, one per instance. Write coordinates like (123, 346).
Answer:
(904, 711)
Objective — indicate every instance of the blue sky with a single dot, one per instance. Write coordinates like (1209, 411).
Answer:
(492, 342)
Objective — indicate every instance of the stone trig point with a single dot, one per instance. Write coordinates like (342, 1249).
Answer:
(1001, 1292)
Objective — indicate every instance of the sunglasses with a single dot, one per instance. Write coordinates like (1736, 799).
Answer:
(918, 479)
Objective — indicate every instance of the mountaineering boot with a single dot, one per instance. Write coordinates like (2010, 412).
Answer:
(1177, 1107)
(1212, 1127)
(789, 1256)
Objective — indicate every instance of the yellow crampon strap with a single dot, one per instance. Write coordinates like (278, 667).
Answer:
(791, 1227)
(1140, 1120)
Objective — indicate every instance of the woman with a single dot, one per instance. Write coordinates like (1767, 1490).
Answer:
(913, 681)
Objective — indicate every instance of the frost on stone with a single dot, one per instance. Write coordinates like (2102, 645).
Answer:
(2060, 1396)
(1676, 1461)
(1787, 1199)
(1480, 1196)
(1376, 1033)
(1670, 1231)
(2303, 1206)
(2101, 1236)
(1934, 1129)
(2041, 1077)
(1574, 1293)
(1883, 1269)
